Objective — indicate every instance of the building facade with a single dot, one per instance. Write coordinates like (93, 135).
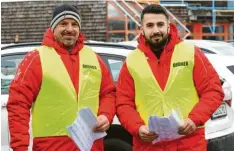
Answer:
(118, 20)
(26, 21)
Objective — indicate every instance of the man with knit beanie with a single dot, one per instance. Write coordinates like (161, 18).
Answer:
(56, 82)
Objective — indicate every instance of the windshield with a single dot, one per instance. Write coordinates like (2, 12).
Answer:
(224, 49)
(9, 66)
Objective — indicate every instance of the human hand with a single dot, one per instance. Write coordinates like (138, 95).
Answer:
(187, 128)
(146, 135)
(102, 125)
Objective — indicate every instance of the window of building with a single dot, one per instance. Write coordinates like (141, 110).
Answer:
(190, 28)
(131, 36)
(131, 24)
(189, 37)
(112, 11)
(120, 27)
(223, 31)
(213, 37)
(116, 25)
(181, 30)
(207, 29)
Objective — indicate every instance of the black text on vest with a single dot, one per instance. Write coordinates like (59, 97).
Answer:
(89, 66)
(177, 64)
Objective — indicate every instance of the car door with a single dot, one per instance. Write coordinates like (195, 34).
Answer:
(9, 64)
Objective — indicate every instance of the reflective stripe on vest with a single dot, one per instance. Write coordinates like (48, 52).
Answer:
(179, 93)
(57, 104)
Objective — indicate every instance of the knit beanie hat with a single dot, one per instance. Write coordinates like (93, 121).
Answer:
(65, 11)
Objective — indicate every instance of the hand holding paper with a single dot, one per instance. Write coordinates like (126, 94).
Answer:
(166, 127)
(187, 128)
(81, 130)
(146, 135)
(102, 124)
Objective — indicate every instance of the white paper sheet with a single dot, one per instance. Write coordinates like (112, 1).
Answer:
(166, 127)
(81, 130)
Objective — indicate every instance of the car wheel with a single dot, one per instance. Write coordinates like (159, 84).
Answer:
(116, 145)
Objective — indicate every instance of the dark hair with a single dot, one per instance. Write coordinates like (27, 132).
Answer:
(154, 9)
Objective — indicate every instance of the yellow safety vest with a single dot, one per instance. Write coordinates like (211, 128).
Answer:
(179, 93)
(57, 104)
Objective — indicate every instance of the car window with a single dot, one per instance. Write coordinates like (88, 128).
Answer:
(231, 68)
(9, 65)
(114, 64)
(206, 51)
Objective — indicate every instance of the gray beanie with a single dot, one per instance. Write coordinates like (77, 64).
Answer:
(65, 11)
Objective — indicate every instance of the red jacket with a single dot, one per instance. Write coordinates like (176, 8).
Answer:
(26, 86)
(205, 78)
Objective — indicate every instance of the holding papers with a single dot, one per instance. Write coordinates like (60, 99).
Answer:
(166, 127)
(81, 130)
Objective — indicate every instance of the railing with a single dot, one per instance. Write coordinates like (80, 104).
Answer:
(230, 5)
(126, 12)
(213, 8)
(137, 14)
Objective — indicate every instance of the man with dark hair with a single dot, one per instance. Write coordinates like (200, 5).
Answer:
(162, 74)
(56, 80)
(155, 9)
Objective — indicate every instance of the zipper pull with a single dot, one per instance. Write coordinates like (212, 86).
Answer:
(158, 61)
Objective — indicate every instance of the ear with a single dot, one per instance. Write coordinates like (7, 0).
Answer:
(141, 29)
(168, 28)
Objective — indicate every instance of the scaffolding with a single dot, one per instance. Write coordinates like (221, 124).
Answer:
(134, 15)
(212, 8)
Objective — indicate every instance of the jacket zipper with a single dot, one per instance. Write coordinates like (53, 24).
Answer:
(159, 67)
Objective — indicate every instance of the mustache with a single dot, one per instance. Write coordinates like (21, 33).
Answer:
(68, 33)
(156, 35)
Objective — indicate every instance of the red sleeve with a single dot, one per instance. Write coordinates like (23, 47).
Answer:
(22, 93)
(107, 93)
(125, 102)
(209, 89)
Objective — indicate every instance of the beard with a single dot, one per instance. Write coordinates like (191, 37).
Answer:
(69, 38)
(157, 41)
(69, 42)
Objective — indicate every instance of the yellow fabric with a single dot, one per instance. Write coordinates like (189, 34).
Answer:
(179, 93)
(57, 104)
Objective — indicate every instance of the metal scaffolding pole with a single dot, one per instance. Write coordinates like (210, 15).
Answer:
(129, 15)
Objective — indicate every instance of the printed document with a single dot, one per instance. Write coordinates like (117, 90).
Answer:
(166, 127)
(81, 130)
